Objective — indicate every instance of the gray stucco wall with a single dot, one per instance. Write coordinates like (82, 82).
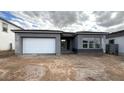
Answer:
(75, 42)
(19, 40)
(120, 42)
(78, 43)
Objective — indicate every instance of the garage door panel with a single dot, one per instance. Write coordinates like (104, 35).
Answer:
(38, 45)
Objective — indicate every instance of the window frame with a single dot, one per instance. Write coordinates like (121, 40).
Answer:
(86, 43)
(4, 26)
(89, 40)
(93, 43)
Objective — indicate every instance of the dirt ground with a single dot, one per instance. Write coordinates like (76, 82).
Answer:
(64, 67)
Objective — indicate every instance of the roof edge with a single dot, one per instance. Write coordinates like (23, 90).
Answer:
(116, 34)
(90, 32)
(56, 31)
(36, 31)
(10, 23)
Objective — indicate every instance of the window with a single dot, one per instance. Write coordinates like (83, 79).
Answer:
(85, 44)
(5, 27)
(97, 45)
(111, 41)
(97, 42)
(91, 43)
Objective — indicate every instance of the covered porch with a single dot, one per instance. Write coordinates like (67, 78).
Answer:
(67, 43)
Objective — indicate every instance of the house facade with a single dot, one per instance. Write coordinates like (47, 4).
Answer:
(117, 38)
(58, 42)
(7, 37)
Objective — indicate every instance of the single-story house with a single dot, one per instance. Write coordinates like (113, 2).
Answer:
(7, 37)
(117, 38)
(57, 42)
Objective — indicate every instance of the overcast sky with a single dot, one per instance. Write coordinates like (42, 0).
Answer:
(71, 21)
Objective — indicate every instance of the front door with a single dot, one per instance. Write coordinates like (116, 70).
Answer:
(65, 45)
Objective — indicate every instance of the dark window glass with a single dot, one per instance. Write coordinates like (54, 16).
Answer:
(97, 45)
(85, 44)
(91, 44)
(84, 41)
(5, 27)
(111, 41)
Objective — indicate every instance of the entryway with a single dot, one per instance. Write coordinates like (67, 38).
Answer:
(66, 45)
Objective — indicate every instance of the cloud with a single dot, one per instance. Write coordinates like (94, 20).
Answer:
(69, 20)
(31, 20)
(49, 19)
(63, 19)
(109, 19)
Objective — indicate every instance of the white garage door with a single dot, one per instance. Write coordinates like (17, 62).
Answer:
(38, 45)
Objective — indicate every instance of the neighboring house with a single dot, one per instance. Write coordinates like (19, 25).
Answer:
(7, 37)
(117, 38)
(57, 42)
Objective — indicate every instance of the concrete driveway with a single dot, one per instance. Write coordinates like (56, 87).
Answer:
(64, 67)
